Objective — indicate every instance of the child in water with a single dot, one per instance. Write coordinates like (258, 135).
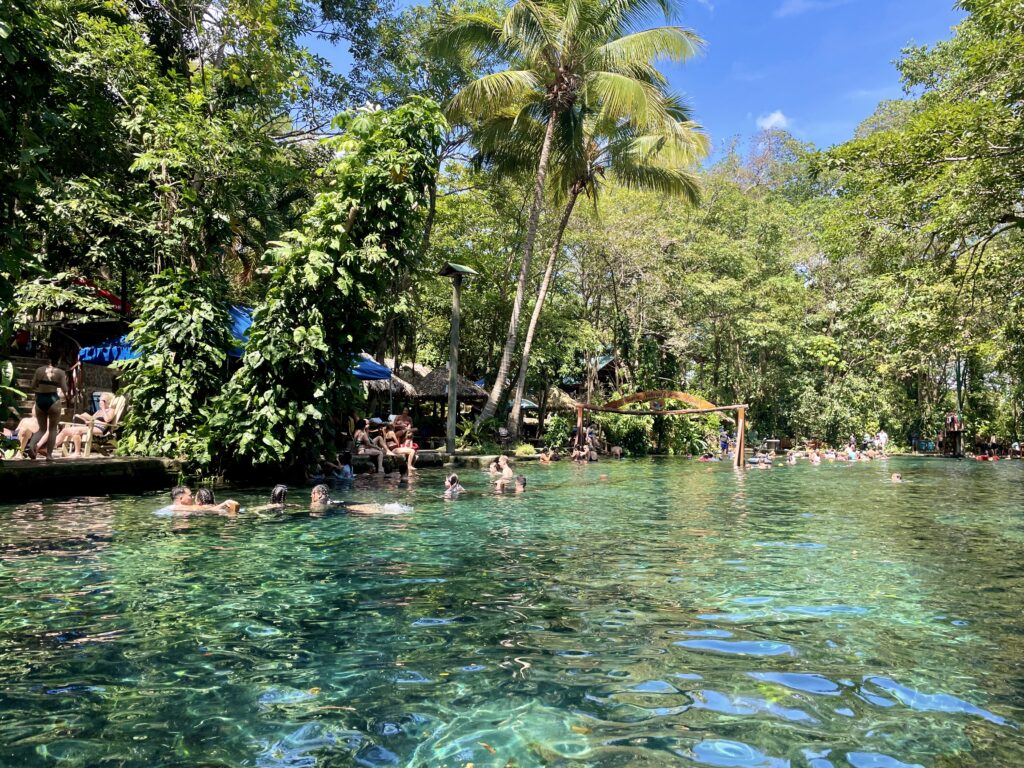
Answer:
(452, 487)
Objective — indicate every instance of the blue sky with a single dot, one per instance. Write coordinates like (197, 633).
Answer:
(814, 67)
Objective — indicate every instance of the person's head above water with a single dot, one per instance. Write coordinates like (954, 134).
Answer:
(181, 495)
(451, 481)
(320, 494)
(279, 494)
(205, 497)
(897, 477)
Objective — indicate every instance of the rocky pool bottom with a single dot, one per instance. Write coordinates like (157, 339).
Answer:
(671, 613)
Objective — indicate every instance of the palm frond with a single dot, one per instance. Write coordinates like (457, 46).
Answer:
(669, 42)
(626, 98)
(476, 33)
(668, 181)
(533, 27)
(495, 92)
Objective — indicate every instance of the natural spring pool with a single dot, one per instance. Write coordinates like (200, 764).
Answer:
(676, 613)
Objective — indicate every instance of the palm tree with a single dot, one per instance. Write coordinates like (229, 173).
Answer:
(587, 150)
(559, 52)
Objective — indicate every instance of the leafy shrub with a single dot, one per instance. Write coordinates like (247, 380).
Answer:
(525, 449)
(478, 437)
(359, 234)
(630, 432)
(182, 336)
(558, 430)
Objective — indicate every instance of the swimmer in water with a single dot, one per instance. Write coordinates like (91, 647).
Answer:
(452, 487)
(320, 501)
(897, 477)
(205, 500)
(519, 485)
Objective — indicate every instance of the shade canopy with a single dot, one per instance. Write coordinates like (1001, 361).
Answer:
(434, 386)
(112, 350)
(364, 367)
(368, 369)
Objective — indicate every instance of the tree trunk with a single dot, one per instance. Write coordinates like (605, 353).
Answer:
(524, 363)
(524, 274)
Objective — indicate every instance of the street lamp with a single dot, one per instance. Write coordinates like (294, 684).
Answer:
(456, 272)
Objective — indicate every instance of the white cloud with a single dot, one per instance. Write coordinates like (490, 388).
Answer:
(773, 121)
(707, 4)
(796, 7)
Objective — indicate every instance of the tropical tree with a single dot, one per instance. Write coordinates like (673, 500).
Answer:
(588, 151)
(560, 52)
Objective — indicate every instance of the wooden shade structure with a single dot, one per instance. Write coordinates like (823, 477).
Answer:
(657, 396)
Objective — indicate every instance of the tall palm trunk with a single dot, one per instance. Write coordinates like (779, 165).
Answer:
(524, 273)
(524, 363)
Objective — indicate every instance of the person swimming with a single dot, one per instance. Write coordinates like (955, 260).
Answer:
(518, 485)
(452, 487)
(205, 500)
(320, 500)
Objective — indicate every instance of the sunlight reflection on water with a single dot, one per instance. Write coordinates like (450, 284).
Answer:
(675, 614)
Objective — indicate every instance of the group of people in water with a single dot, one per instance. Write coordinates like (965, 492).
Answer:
(185, 503)
(203, 501)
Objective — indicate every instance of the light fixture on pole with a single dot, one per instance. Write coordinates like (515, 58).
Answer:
(456, 272)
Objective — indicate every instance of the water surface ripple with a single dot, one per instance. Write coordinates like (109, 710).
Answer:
(674, 613)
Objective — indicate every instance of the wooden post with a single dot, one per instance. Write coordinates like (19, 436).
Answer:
(453, 365)
(579, 425)
(741, 424)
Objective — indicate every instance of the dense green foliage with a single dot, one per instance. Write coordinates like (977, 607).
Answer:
(876, 284)
(362, 229)
(182, 338)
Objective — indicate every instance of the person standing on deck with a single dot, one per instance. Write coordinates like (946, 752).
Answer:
(50, 386)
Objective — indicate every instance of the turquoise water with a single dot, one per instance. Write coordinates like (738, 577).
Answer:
(675, 613)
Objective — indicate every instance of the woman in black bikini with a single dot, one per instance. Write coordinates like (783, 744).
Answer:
(49, 383)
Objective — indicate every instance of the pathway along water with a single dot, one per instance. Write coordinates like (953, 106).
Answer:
(676, 614)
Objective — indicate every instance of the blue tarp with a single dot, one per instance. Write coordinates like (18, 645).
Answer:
(112, 350)
(241, 319)
(370, 370)
(107, 352)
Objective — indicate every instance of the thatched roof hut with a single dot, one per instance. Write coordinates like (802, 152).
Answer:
(397, 386)
(409, 371)
(434, 386)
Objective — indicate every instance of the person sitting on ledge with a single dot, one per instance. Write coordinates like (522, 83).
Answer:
(398, 448)
(370, 446)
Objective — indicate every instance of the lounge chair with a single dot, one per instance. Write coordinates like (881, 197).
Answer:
(108, 435)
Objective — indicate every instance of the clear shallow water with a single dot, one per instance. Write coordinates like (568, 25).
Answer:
(674, 614)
